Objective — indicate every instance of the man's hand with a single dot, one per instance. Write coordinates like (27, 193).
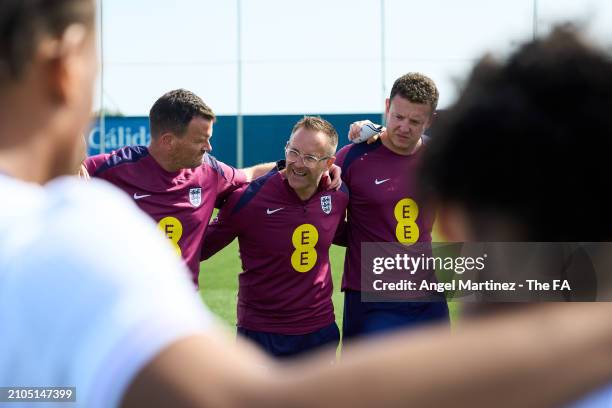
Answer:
(83, 173)
(355, 131)
(335, 180)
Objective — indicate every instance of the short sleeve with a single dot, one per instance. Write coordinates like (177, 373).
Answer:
(92, 163)
(341, 162)
(222, 230)
(228, 178)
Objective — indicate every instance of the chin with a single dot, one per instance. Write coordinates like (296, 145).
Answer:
(295, 184)
(194, 165)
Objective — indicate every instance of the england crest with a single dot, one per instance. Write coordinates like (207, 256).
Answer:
(326, 204)
(195, 196)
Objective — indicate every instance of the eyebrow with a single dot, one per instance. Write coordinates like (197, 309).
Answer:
(299, 151)
(309, 154)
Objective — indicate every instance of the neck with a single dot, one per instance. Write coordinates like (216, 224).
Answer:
(409, 150)
(26, 165)
(306, 193)
(27, 149)
(303, 193)
(162, 158)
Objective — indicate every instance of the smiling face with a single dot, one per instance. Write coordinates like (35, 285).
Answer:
(406, 122)
(187, 150)
(304, 177)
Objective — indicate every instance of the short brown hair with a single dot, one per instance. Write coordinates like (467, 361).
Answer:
(24, 23)
(417, 88)
(173, 112)
(319, 125)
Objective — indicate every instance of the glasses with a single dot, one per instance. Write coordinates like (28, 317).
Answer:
(309, 160)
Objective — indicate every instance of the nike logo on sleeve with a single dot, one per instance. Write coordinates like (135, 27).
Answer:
(269, 211)
(377, 181)
(139, 196)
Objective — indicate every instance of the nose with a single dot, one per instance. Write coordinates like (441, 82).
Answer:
(404, 126)
(300, 159)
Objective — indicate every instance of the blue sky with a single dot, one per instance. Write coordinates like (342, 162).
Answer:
(316, 56)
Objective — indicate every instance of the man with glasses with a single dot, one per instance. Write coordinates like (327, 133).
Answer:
(285, 222)
(175, 179)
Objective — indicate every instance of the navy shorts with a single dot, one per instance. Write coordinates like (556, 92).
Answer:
(290, 345)
(367, 318)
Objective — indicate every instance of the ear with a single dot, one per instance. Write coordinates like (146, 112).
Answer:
(167, 139)
(387, 106)
(330, 162)
(63, 61)
(430, 120)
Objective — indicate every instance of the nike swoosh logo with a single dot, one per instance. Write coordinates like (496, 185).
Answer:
(377, 181)
(139, 196)
(269, 211)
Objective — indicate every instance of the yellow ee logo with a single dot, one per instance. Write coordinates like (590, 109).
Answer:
(304, 239)
(406, 212)
(173, 229)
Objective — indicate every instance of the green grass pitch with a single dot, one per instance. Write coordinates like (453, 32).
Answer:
(219, 282)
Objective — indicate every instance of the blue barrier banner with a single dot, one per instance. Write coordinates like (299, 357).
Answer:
(264, 135)
(119, 132)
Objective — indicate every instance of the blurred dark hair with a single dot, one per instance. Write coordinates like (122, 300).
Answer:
(529, 140)
(173, 112)
(23, 23)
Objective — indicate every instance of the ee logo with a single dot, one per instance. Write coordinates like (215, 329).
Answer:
(173, 229)
(304, 239)
(406, 212)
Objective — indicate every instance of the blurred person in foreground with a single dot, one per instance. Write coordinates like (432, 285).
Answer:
(524, 154)
(128, 330)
